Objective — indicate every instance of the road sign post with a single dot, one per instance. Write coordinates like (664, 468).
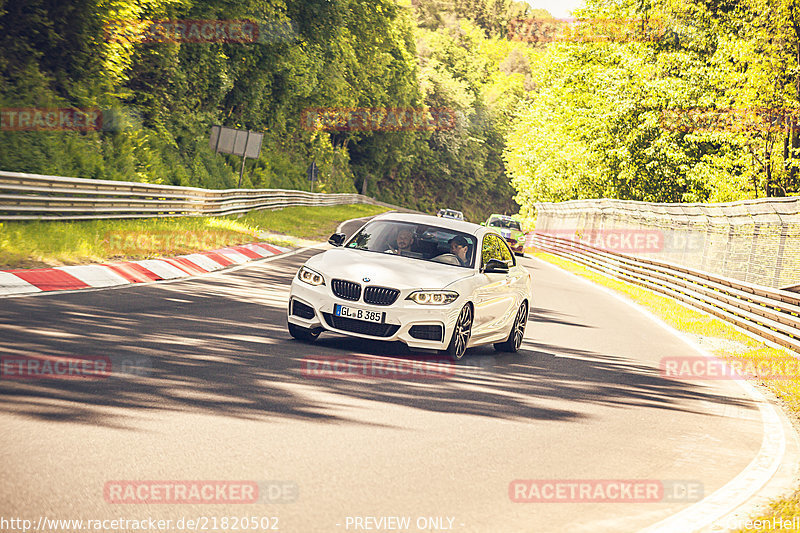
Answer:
(244, 158)
(311, 173)
(245, 143)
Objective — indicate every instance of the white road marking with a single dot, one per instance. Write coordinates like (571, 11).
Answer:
(233, 255)
(11, 284)
(95, 275)
(204, 262)
(162, 269)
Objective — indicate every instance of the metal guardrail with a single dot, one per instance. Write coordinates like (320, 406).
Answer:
(763, 210)
(771, 314)
(755, 241)
(38, 197)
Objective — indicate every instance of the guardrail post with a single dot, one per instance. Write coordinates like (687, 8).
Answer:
(784, 230)
(752, 256)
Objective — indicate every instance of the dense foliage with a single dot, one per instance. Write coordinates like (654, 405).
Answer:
(659, 100)
(663, 100)
(160, 97)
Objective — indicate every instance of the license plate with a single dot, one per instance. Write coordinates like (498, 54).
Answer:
(358, 314)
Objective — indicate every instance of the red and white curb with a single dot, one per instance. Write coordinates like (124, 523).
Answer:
(109, 275)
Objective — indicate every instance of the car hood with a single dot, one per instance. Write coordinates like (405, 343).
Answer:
(386, 270)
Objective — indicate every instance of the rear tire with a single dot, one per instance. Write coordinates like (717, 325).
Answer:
(514, 341)
(461, 334)
(303, 334)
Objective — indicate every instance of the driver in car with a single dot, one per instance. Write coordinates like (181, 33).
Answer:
(405, 242)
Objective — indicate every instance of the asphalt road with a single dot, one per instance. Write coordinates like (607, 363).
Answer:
(215, 389)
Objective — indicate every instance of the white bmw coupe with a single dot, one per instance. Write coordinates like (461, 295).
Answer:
(429, 282)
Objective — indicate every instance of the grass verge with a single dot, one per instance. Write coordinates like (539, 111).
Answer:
(32, 244)
(725, 342)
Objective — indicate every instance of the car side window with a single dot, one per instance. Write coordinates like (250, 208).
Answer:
(488, 250)
(505, 252)
(495, 247)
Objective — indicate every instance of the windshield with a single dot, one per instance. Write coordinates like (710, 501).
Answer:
(417, 241)
(504, 223)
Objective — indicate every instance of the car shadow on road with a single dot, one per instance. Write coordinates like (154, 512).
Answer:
(538, 314)
(220, 346)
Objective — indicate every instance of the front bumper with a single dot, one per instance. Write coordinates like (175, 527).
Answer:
(399, 318)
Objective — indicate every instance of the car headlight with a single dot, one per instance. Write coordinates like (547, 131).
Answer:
(433, 297)
(309, 276)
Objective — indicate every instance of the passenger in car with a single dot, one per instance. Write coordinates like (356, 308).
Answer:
(459, 247)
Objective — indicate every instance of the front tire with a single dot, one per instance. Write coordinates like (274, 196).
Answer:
(303, 334)
(461, 334)
(514, 341)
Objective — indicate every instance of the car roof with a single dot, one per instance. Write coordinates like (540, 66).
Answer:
(447, 223)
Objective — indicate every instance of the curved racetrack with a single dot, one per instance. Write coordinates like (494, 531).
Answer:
(216, 390)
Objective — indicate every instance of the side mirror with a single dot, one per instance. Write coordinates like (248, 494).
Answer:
(495, 266)
(483, 223)
(337, 239)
